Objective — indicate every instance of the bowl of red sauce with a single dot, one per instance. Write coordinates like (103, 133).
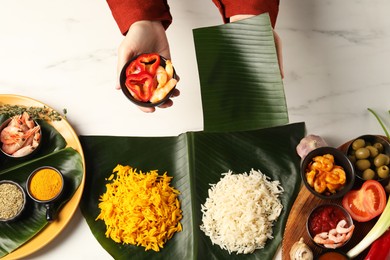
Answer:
(330, 226)
(333, 255)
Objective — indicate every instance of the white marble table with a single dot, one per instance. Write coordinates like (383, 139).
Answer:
(63, 53)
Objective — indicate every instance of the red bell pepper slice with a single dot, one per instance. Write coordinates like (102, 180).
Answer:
(145, 62)
(151, 61)
(134, 68)
(141, 85)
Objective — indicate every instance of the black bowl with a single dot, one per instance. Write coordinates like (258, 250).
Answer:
(30, 153)
(336, 210)
(340, 159)
(127, 93)
(369, 140)
(21, 196)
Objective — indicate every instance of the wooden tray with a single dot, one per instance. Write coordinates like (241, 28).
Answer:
(296, 223)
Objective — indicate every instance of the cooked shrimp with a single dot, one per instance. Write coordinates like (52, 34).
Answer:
(18, 143)
(320, 183)
(326, 161)
(336, 237)
(161, 76)
(27, 119)
(321, 240)
(161, 92)
(337, 175)
(342, 229)
(36, 139)
(310, 176)
(24, 151)
(333, 245)
(333, 188)
(11, 134)
(16, 121)
(169, 69)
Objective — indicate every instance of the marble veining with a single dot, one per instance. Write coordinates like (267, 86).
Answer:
(64, 53)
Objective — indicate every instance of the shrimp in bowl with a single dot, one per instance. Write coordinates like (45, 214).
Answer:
(20, 135)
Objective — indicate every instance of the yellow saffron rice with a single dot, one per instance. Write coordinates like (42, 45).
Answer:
(140, 208)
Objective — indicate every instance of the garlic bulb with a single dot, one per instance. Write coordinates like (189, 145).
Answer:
(308, 144)
(300, 251)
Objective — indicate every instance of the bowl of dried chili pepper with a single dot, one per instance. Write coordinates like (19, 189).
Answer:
(327, 173)
(148, 79)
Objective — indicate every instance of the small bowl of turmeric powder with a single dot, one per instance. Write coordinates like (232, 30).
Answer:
(45, 185)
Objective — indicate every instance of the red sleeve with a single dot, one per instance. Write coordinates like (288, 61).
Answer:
(228, 8)
(126, 12)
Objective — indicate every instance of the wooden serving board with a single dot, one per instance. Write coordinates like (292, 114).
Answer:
(296, 223)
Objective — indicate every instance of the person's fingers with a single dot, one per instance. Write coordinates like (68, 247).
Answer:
(166, 104)
(147, 109)
(238, 17)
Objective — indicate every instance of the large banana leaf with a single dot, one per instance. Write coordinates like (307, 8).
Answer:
(52, 152)
(195, 160)
(239, 76)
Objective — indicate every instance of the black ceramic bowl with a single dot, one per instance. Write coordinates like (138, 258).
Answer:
(354, 154)
(317, 223)
(340, 159)
(25, 154)
(13, 200)
(127, 93)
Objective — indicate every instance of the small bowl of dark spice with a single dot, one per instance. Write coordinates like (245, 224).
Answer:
(12, 200)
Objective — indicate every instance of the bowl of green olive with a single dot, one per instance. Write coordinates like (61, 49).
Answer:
(370, 156)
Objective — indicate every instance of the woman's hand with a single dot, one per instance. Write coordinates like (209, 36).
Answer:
(144, 37)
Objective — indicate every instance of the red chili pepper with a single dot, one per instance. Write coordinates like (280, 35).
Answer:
(380, 249)
(141, 85)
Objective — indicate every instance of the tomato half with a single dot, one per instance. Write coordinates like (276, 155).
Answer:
(367, 202)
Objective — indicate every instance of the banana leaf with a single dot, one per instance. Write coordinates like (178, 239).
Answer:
(239, 76)
(52, 152)
(195, 160)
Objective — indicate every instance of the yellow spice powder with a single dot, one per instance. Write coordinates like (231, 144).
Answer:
(45, 184)
(140, 208)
